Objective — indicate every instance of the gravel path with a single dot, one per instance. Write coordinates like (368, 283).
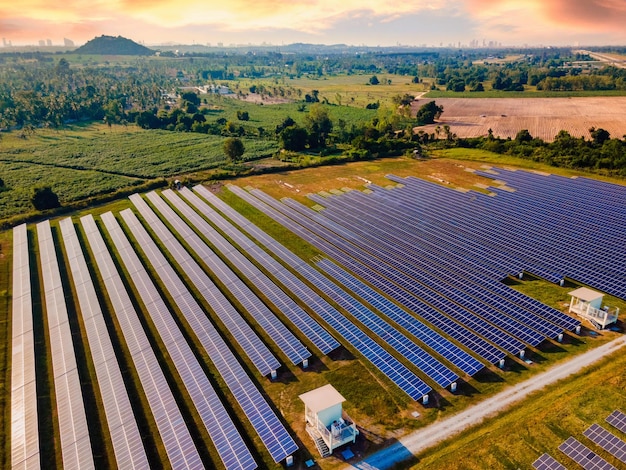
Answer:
(439, 431)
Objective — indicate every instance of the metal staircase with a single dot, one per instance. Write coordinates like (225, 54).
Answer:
(322, 448)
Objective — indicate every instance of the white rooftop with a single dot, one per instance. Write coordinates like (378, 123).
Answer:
(322, 398)
(585, 294)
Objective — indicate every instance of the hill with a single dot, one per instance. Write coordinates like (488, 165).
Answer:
(110, 45)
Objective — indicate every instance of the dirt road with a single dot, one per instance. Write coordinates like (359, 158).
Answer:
(437, 432)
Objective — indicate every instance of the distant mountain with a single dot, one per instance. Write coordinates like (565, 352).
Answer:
(110, 45)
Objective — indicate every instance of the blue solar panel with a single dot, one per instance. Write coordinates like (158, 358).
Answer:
(547, 462)
(275, 329)
(385, 362)
(381, 230)
(273, 434)
(609, 442)
(583, 456)
(617, 419)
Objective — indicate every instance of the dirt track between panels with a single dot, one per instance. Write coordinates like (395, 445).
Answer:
(543, 117)
(440, 431)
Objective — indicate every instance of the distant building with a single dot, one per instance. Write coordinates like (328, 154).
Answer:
(68, 42)
(42, 43)
(48, 42)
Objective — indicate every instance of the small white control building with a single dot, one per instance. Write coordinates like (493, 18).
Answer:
(325, 420)
(587, 303)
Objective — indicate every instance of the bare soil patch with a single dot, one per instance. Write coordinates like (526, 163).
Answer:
(543, 117)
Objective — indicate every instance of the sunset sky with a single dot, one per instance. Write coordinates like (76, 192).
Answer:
(353, 22)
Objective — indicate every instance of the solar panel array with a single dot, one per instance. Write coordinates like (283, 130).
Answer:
(412, 352)
(410, 383)
(304, 228)
(255, 349)
(221, 429)
(301, 319)
(291, 346)
(547, 462)
(556, 226)
(179, 445)
(74, 433)
(583, 456)
(266, 423)
(24, 424)
(609, 442)
(127, 444)
(311, 329)
(617, 419)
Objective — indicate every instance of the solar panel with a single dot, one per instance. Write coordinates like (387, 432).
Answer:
(221, 429)
(169, 420)
(266, 423)
(262, 358)
(547, 462)
(125, 436)
(73, 430)
(385, 362)
(275, 329)
(583, 456)
(609, 442)
(24, 415)
(305, 323)
(617, 419)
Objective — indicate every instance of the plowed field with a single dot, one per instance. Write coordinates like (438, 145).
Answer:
(543, 117)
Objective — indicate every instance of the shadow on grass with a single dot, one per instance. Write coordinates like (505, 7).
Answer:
(341, 354)
(486, 375)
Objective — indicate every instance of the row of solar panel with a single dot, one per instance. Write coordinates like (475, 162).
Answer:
(536, 215)
(24, 417)
(73, 431)
(584, 456)
(368, 232)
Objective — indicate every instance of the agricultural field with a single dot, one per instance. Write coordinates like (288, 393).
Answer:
(87, 161)
(543, 117)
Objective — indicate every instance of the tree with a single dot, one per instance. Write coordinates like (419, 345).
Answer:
(523, 136)
(44, 198)
(318, 125)
(243, 115)
(428, 113)
(293, 138)
(599, 135)
(234, 148)
(374, 80)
